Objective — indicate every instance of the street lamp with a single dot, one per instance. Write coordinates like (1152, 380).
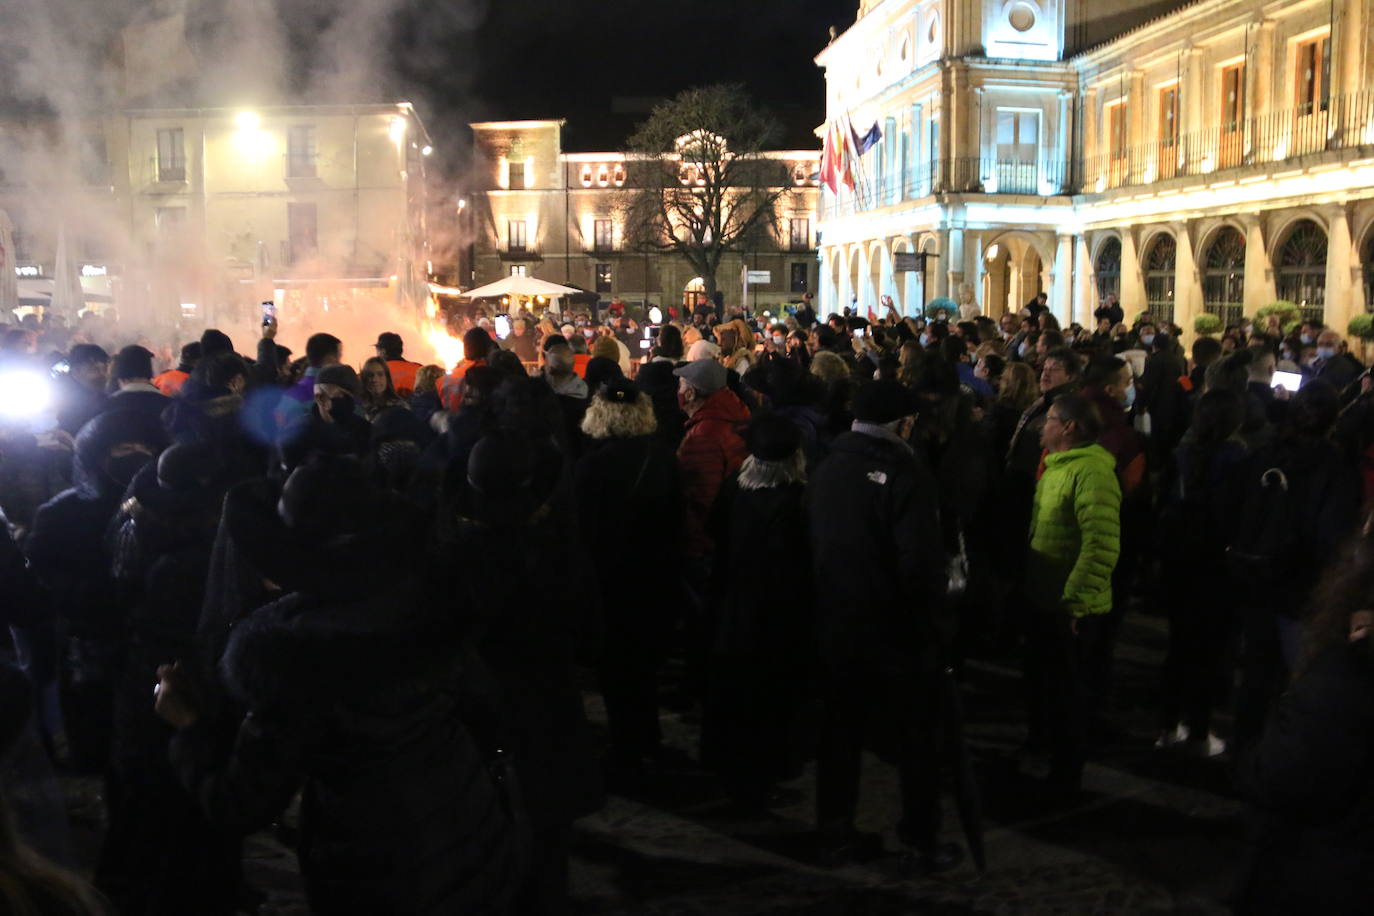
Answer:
(247, 120)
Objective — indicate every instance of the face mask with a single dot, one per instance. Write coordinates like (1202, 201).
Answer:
(1310, 361)
(340, 408)
(1326, 352)
(1286, 354)
(124, 468)
(1306, 338)
(1130, 396)
(1023, 349)
(588, 333)
(1147, 339)
(777, 340)
(925, 340)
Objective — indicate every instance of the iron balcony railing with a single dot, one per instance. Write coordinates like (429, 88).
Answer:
(1343, 122)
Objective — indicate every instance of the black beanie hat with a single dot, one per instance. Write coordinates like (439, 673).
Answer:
(213, 341)
(343, 376)
(772, 438)
(133, 362)
(882, 401)
(620, 391)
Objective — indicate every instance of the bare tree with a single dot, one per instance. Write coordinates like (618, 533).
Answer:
(701, 184)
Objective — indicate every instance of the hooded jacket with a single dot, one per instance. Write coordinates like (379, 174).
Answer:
(877, 554)
(1075, 533)
(356, 697)
(711, 450)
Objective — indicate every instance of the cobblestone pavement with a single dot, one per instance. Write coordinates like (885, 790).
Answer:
(1154, 833)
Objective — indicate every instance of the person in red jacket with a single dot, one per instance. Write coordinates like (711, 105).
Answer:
(712, 448)
(389, 349)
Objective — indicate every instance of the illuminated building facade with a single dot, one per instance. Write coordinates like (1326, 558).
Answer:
(201, 213)
(1212, 156)
(542, 212)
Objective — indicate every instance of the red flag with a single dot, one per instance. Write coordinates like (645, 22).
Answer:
(830, 161)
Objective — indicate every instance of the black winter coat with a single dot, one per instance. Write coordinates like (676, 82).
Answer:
(628, 492)
(762, 656)
(1309, 777)
(878, 555)
(526, 626)
(357, 700)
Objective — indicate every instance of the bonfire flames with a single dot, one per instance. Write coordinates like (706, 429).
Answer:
(448, 349)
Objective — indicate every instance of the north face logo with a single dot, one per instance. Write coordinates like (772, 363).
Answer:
(878, 477)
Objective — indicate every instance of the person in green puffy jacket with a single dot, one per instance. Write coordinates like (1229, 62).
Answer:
(1075, 537)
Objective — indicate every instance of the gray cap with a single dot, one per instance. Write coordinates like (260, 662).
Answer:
(705, 375)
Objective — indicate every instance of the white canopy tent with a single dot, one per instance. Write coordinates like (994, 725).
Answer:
(521, 287)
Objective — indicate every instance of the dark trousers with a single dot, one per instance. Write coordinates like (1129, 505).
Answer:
(1058, 686)
(900, 707)
(1197, 666)
(1263, 671)
(629, 684)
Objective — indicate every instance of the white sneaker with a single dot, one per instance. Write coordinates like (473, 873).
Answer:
(1171, 738)
(1211, 747)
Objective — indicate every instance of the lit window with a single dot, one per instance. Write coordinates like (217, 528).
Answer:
(586, 176)
(1312, 67)
(618, 176)
(603, 278)
(516, 181)
(799, 234)
(300, 151)
(515, 235)
(171, 154)
(601, 235)
(603, 176)
(518, 270)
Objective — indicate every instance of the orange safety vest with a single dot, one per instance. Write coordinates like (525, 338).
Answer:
(451, 391)
(403, 376)
(170, 382)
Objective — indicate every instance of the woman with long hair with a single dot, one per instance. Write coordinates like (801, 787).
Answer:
(1313, 850)
(379, 393)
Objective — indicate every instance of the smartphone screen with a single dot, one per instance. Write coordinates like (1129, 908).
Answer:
(1289, 380)
(269, 313)
(859, 332)
(502, 326)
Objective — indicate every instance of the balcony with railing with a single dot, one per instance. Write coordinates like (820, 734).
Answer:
(1341, 123)
(1042, 177)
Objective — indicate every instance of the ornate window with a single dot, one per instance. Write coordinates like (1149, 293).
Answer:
(1223, 276)
(618, 175)
(1108, 269)
(586, 176)
(1300, 268)
(1159, 277)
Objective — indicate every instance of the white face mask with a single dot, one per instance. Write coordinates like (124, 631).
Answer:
(1130, 396)
(777, 340)
(1147, 339)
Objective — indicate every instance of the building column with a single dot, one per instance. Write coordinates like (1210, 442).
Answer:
(1132, 281)
(1261, 81)
(1191, 130)
(1259, 275)
(1135, 124)
(1187, 286)
(1339, 257)
(1351, 40)
(1090, 132)
(1061, 162)
(886, 283)
(1061, 289)
(1084, 300)
(953, 256)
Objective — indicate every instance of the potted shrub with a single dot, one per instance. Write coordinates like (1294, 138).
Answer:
(1361, 327)
(1288, 314)
(1207, 323)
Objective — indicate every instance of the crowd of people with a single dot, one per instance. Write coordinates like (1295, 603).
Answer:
(348, 587)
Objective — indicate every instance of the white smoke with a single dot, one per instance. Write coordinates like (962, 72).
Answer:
(64, 64)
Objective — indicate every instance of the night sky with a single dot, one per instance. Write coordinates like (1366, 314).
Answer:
(595, 63)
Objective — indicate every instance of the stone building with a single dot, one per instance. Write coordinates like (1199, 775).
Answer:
(538, 210)
(1189, 157)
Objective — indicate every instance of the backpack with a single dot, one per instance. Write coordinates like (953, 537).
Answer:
(1267, 548)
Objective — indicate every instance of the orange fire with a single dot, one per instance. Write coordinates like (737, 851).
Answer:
(448, 350)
